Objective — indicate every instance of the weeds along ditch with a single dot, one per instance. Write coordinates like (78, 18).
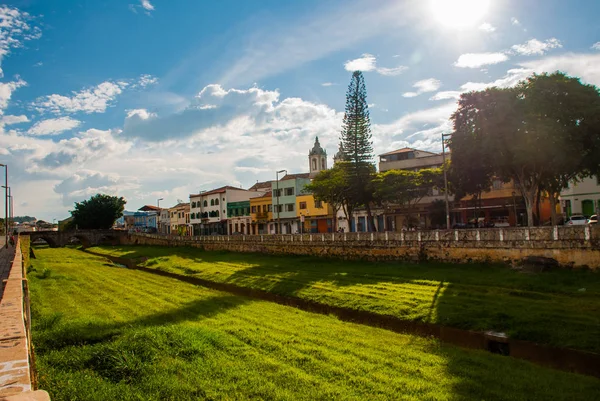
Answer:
(105, 332)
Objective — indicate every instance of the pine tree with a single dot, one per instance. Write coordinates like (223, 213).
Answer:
(356, 130)
(356, 145)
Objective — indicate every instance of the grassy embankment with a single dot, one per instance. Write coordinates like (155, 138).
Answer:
(108, 333)
(549, 308)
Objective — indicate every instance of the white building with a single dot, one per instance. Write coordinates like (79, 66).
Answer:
(208, 210)
(581, 198)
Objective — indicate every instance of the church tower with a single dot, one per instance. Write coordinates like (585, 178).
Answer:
(339, 156)
(317, 159)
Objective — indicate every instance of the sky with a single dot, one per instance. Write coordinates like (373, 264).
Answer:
(150, 99)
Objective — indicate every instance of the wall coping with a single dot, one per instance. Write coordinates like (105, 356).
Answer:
(16, 379)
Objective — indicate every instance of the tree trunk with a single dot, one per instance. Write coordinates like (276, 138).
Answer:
(553, 201)
(538, 201)
(369, 218)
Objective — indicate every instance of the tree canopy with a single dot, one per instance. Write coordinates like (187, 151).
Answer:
(98, 212)
(541, 134)
(406, 188)
(331, 186)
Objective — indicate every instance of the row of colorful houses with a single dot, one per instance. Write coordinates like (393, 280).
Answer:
(285, 206)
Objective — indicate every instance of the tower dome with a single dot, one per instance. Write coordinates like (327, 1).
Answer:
(317, 159)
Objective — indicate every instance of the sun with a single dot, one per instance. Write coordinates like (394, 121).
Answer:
(459, 13)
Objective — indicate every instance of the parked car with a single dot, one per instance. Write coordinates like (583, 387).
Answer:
(576, 220)
(593, 219)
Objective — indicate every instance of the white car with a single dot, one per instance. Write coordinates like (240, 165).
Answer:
(576, 220)
(593, 219)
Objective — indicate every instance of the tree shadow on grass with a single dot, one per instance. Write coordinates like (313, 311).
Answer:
(52, 333)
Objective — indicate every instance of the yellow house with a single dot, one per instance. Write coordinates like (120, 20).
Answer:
(317, 215)
(261, 212)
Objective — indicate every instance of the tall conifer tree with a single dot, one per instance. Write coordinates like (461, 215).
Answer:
(357, 147)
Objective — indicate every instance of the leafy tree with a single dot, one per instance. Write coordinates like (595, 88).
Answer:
(406, 188)
(357, 147)
(98, 212)
(331, 186)
(541, 134)
(437, 213)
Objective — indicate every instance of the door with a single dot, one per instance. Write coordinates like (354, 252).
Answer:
(587, 207)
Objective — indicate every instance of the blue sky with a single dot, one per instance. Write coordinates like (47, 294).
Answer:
(159, 99)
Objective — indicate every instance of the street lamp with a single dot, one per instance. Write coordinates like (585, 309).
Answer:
(446, 180)
(277, 191)
(5, 202)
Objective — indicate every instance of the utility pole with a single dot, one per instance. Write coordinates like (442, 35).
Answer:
(5, 202)
(446, 180)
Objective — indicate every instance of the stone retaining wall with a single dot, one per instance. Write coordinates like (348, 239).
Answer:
(16, 376)
(569, 246)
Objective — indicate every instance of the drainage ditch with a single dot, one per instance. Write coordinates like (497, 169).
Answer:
(566, 359)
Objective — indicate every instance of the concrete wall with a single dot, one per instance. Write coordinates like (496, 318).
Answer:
(569, 246)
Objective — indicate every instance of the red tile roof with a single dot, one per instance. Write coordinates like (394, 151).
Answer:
(406, 150)
(219, 190)
(294, 176)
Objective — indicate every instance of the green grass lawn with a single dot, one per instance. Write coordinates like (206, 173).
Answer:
(547, 308)
(107, 333)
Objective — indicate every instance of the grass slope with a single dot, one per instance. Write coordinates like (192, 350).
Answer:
(108, 333)
(547, 307)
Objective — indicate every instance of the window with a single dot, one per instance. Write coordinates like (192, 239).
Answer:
(278, 208)
(302, 205)
(598, 180)
(270, 208)
(212, 202)
(318, 204)
(497, 184)
(289, 207)
(193, 204)
(216, 201)
(322, 164)
(223, 199)
(254, 209)
(314, 164)
(277, 192)
(289, 191)
(205, 203)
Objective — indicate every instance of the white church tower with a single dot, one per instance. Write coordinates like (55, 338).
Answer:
(317, 159)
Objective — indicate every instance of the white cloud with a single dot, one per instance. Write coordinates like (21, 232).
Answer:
(487, 27)
(368, 62)
(328, 84)
(423, 86)
(536, 47)
(365, 63)
(476, 60)
(392, 71)
(146, 5)
(9, 120)
(85, 183)
(145, 80)
(444, 95)
(6, 90)
(514, 21)
(14, 29)
(596, 46)
(90, 100)
(142, 114)
(53, 126)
